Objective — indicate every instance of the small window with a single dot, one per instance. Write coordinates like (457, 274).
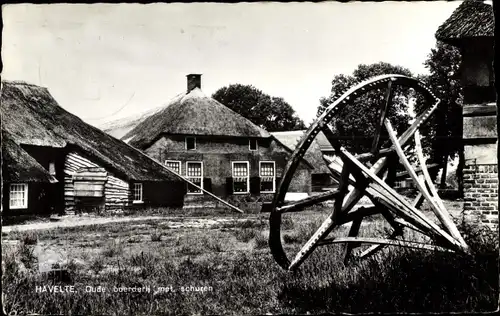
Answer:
(267, 174)
(52, 168)
(18, 198)
(240, 177)
(190, 143)
(137, 193)
(173, 165)
(194, 173)
(252, 144)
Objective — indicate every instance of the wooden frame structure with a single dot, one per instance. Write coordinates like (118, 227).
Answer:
(370, 174)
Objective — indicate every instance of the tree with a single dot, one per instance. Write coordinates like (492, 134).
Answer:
(271, 113)
(357, 121)
(444, 133)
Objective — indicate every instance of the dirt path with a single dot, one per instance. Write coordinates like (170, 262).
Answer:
(75, 221)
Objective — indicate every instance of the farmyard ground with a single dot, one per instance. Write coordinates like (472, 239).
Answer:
(205, 264)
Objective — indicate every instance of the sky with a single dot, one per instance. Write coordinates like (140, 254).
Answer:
(109, 61)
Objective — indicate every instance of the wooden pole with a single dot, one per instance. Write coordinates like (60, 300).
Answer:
(186, 180)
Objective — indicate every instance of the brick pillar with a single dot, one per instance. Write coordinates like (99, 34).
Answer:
(481, 194)
(481, 164)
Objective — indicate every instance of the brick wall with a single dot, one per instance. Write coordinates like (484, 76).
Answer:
(481, 193)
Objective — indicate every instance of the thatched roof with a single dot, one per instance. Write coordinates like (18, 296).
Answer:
(471, 19)
(313, 154)
(31, 116)
(193, 114)
(19, 166)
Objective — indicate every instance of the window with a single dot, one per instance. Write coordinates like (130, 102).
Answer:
(190, 143)
(173, 165)
(194, 173)
(137, 193)
(267, 174)
(240, 177)
(252, 144)
(18, 196)
(52, 168)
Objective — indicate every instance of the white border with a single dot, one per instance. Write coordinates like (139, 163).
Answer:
(202, 174)
(248, 176)
(274, 177)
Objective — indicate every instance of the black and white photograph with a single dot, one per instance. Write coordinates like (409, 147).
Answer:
(250, 158)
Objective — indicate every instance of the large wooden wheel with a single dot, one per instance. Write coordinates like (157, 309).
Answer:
(371, 174)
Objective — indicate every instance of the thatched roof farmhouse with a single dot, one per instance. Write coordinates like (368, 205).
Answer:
(91, 168)
(213, 146)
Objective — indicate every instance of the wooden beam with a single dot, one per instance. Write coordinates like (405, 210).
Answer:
(186, 180)
(441, 215)
(353, 232)
(383, 112)
(382, 241)
(439, 207)
(376, 248)
(405, 173)
(309, 201)
(401, 200)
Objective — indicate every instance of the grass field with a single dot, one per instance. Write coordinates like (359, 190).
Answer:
(227, 268)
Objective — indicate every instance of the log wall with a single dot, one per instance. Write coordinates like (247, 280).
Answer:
(117, 193)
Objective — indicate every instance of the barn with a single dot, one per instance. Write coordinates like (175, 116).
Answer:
(471, 28)
(321, 179)
(54, 156)
(216, 148)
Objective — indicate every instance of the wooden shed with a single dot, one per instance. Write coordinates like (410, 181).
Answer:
(94, 171)
(471, 28)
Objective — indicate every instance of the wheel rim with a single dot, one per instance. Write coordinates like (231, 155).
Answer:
(279, 207)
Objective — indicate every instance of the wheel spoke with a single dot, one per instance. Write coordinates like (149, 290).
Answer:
(383, 241)
(353, 232)
(405, 137)
(442, 216)
(376, 248)
(309, 201)
(383, 113)
(416, 124)
(370, 174)
(401, 200)
(439, 206)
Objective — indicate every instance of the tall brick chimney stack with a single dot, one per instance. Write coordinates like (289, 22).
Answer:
(193, 81)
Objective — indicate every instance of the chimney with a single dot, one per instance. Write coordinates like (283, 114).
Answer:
(193, 81)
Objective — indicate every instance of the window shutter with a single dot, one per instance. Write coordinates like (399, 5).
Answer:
(207, 184)
(229, 186)
(255, 185)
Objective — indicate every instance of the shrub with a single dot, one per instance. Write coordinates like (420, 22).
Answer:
(27, 256)
(29, 238)
(112, 249)
(213, 245)
(97, 264)
(156, 236)
(261, 241)
(290, 239)
(245, 234)
(480, 238)
(287, 223)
